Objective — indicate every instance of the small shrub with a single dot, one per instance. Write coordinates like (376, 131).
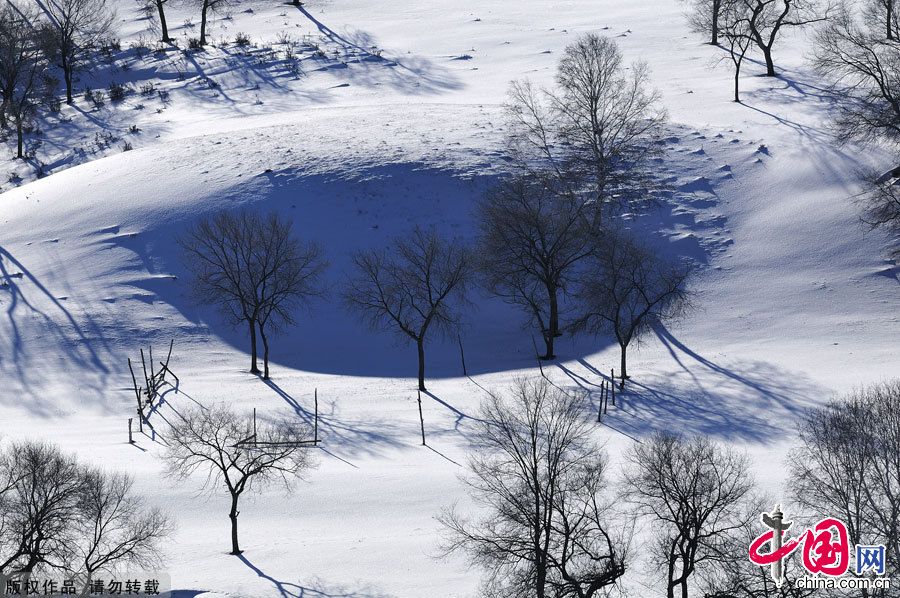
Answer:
(242, 40)
(134, 129)
(54, 104)
(117, 92)
(110, 45)
(127, 147)
(194, 44)
(147, 89)
(94, 97)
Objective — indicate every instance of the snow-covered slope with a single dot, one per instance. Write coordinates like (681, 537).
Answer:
(795, 300)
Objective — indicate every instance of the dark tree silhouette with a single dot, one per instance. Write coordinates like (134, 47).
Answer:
(254, 270)
(44, 504)
(627, 288)
(220, 444)
(848, 465)
(116, 527)
(594, 131)
(76, 28)
(411, 288)
(159, 6)
(532, 237)
(735, 28)
(207, 7)
(695, 493)
(705, 17)
(767, 19)
(864, 73)
(550, 528)
(23, 69)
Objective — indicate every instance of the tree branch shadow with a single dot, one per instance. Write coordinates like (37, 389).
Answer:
(317, 590)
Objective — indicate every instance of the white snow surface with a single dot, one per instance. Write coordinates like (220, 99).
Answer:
(796, 301)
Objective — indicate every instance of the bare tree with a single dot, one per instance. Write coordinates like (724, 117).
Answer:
(549, 524)
(76, 28)
(767, 19)
(222, 446)
(206, 8)
(116, 528)
(885, 13)
(627, 289)
(694, 494)
(411, 288)
(595, 131)
(57, 514)
(848, 465)
(864, 70)
(880, 202)
(735, 576)
(254, 270)
(23, 68)
(532, 238)
(705, 17)
(159, 7)
(43, 505)
(735, 29)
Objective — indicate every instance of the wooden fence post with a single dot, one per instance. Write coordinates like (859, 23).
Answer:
(612, 384)
(130, 439)
(316, 420)
(600, 407)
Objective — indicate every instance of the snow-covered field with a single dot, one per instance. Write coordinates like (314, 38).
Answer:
(796, 301)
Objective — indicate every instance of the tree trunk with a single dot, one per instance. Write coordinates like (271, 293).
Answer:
(233, 515)
(265, 341)
(254, 368)
(67, 76)
(670, 582)
(737, 75)
(890, 19)
(541, 581)
(420, 347)
(624, 372)
(553, 328)
(716, 7)
(770, 64)
(19, 139)
(162, 22)
(203, 23)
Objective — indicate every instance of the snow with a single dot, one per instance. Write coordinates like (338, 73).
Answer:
(795, 300)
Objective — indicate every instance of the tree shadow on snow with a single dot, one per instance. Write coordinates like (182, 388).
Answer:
(318, 589)
(35, 315)
(340, 435)
(750, 401)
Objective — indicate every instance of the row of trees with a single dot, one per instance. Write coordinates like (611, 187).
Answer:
(855, 49)
(551, 240)
(418, 287)
(553, 523)
(860, 57)
(58, 514)
(35, 44)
